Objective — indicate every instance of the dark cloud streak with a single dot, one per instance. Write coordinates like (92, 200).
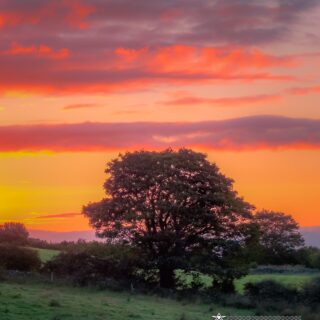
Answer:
(249, 133)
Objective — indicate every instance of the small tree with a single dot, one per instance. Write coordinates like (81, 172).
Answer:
(14, 233)
(308, 256)
(279, 236)
(175, 206)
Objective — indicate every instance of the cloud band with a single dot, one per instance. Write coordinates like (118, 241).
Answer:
(248, 133)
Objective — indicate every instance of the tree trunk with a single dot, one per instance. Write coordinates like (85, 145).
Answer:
(227, 286)
(167, 277)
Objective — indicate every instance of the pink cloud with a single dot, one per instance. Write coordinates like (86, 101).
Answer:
(135, 69)
(40, 51)
(224, 60)
(226, 101)
(137, 44)
(249, 133)
(300, 91)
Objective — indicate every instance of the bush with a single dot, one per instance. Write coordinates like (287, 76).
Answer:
(309, 256)
(96, 264)
(17, 258)
(272, 291)
(269, 295)
(311, 293)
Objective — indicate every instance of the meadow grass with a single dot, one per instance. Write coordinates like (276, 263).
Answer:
(50, 301)
(46, 255)
(43, 301)
(28, 299)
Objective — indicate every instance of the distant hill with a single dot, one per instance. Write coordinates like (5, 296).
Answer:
(311, 235)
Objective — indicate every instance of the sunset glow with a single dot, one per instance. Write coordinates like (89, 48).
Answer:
(81, 81)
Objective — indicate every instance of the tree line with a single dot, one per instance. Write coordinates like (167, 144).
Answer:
(168, 211)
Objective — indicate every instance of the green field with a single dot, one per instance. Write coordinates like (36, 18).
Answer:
(45, 301)
(46, 254)
(51, 302)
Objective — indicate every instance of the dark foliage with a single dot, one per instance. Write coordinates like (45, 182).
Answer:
(270, 296)
(41, 244)
(279, 238)
(96, 263)
(13, 233)
(311, 293)
(17, 258)
(309, 257)
(270, 291)
(178, 209)
(62, 246)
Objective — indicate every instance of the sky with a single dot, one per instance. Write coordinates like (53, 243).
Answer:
(82, 81)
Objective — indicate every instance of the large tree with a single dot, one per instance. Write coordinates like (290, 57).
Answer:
(279, 236)
(174, 205)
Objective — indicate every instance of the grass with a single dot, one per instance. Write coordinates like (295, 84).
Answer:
(50, 301)
(46, 254)
(38, 301)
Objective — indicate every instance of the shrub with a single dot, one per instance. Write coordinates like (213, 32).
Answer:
(269, 297)
(17, 258)
(96, 264)
(80, 267)
(272, 291)
(309, 256)
(311, 293)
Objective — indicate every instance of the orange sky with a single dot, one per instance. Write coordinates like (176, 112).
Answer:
(81, 81)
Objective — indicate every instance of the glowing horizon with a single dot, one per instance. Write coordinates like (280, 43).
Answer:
(82, 81)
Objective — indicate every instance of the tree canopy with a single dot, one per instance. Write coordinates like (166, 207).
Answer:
(174, 205)
(279, 236)
(14, 233)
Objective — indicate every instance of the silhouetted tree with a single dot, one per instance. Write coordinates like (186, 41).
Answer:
(308, 256)
(175, 206)
(14, 233)
(279, 236)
